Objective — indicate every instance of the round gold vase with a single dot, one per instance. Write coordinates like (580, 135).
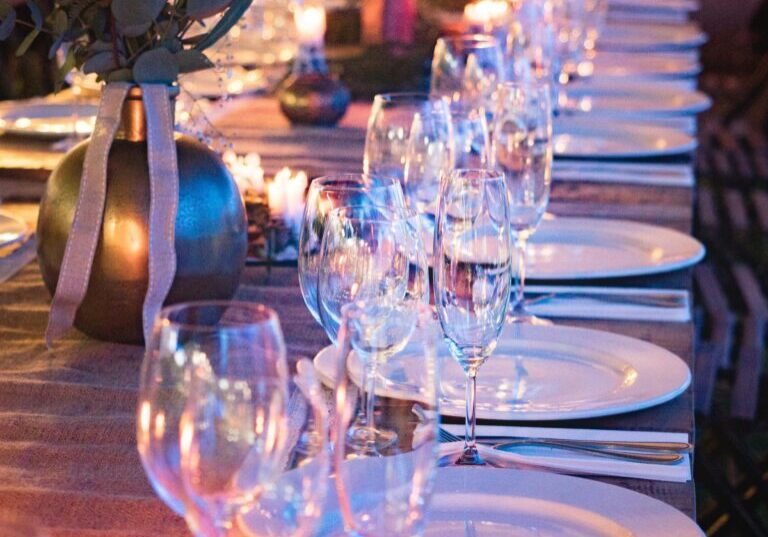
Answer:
(210, 240)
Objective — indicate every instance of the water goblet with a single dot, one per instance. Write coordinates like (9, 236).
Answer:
(467, 69)
(385, 493)
(328, 193)
(409, 137)
(234, 431)
(374, 255)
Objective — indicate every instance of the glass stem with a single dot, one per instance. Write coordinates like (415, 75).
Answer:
(520, 254)
(370, 390)
(470, 456)
(470, 417)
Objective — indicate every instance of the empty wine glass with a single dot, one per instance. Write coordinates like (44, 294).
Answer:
(522, 149)
(409, 137)
(471, 139)
(292, 505)
(328, 193)
(235, 430)
(468, 69)
(472, 276)
(386, 493)
(374, 255)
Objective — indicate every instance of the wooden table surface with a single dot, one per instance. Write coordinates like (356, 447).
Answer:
(67, 416)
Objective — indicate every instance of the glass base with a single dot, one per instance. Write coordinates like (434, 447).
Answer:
(520, 315)
(466, 458)
(364, 440)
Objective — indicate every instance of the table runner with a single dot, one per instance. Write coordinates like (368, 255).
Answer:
(67, 438)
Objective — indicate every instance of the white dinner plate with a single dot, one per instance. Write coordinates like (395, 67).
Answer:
(495, 502)
(644, 37)
(12, 230)
(628, 65)
(48, 119)
(583, 137)
(538, 373)
(632, 100)
(566, 248)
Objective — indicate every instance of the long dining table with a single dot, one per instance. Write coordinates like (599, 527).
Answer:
(68, 455)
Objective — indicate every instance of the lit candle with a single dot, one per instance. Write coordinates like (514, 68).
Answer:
(246, 171)
(486, 15)
(310, 24)
(285, 195)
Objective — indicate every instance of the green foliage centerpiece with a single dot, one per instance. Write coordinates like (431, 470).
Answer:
(136, 216)
(128, 40)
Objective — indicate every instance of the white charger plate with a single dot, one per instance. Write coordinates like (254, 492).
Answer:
(539, 373)
(627, 65)
(633, 100)
(644, 37)
(587, 248)
(12, 230)
(494, 502)
(520, 503)
(48, 119)
(580, 137)
(584, 248)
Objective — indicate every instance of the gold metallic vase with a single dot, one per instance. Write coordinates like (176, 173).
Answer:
(210, 238)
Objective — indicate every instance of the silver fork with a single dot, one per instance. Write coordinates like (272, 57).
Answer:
(598, 449)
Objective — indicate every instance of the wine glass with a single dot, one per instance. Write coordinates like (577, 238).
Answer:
(522, 149)
(472, 276)
(386, 493)
(467, 68)
(374, 255)
(328, 193)
(234, 432)
(409, 137)
(471, 139)
(292, 505)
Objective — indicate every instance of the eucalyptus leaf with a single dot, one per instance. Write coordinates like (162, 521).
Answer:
(156, 66)
(59, 21)
(6, 27)
(172, 44)
(27, 42)
(230, 18)
(120, 75)
(132, 14)
(201, 9)
(55, 47)
(103, 62)
(36, 14)
(192, 60)
(67, 66)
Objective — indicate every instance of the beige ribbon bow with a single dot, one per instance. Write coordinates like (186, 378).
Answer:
(84, 236)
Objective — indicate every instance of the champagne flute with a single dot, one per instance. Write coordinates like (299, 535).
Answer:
(522, 149)
(473, 272)
(409, 137)
(234, 432)
(328, 193)
(467, 69)
(386, 493)
(374, 255)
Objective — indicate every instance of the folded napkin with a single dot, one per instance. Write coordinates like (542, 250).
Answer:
(570, 462)
(16, 257)
(680, 175)
(631, 304)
